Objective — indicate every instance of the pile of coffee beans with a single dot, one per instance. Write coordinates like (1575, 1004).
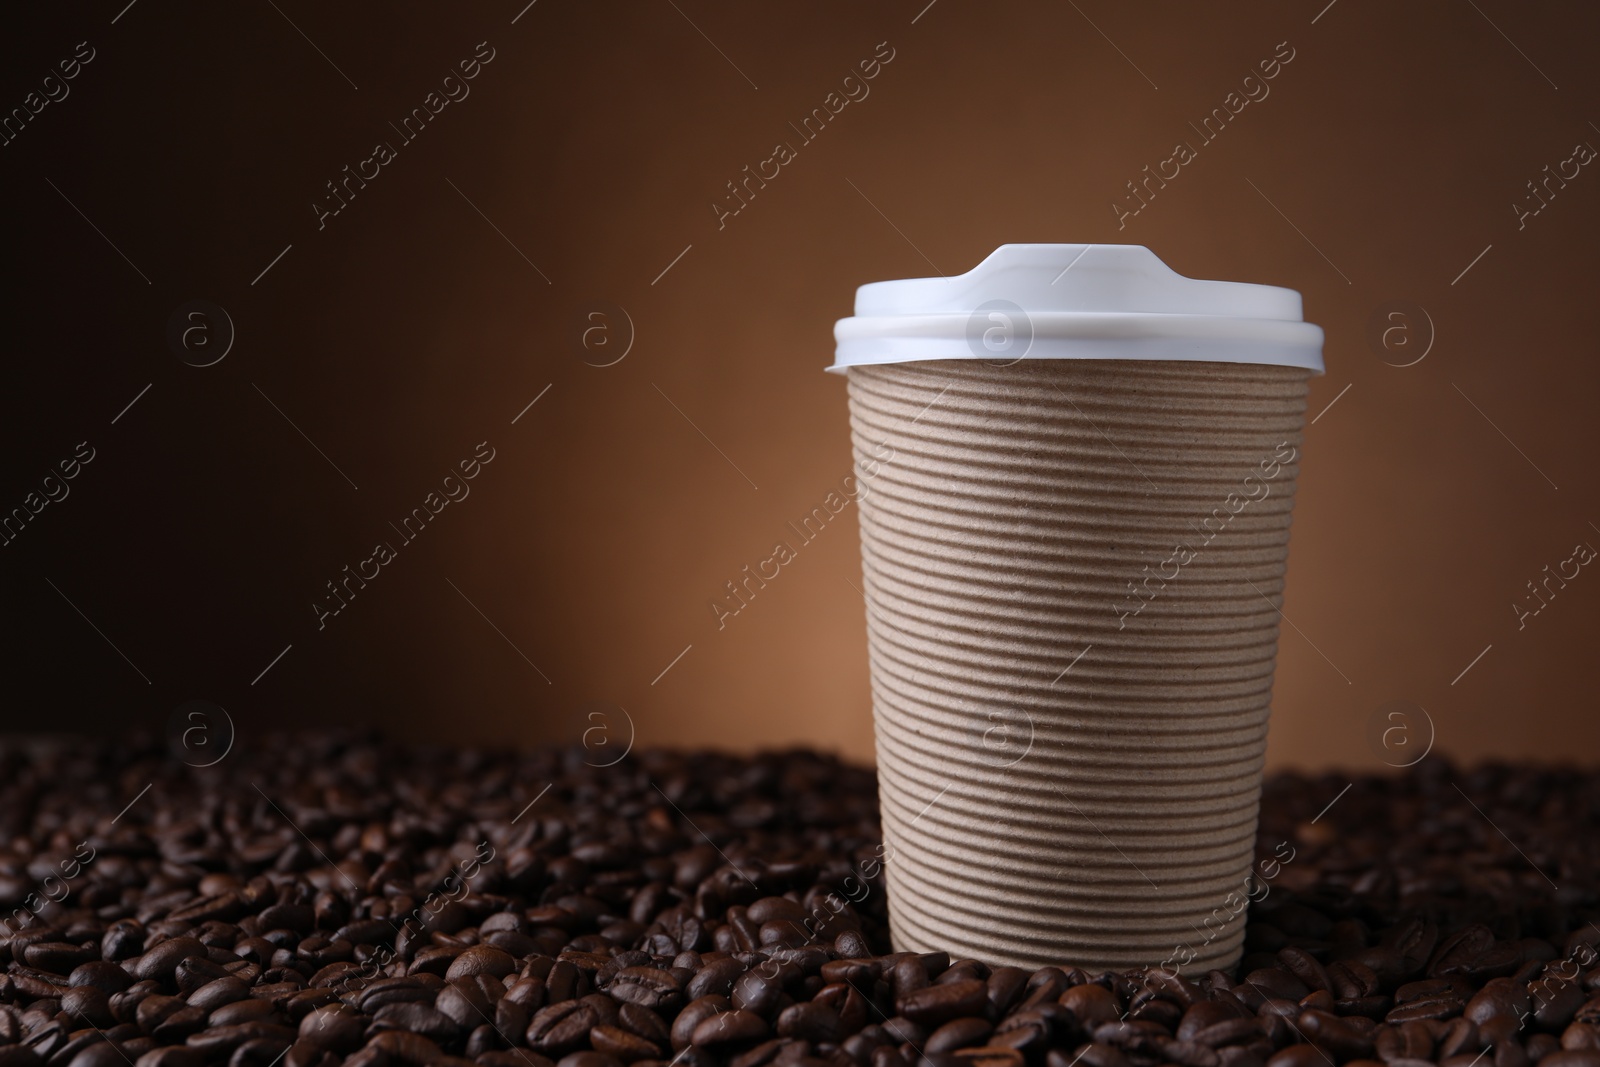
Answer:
(317, 901)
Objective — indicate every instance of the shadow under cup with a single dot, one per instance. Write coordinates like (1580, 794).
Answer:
(1073, 570)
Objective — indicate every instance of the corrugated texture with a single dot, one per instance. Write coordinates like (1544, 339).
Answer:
(1100, 813)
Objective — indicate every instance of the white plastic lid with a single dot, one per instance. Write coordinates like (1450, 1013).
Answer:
(1044, 301)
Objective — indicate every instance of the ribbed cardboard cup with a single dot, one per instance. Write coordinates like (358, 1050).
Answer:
(1073, 571)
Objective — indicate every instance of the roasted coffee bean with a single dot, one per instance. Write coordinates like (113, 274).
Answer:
(59, 957)
(832, 994)
(907, 975)
(611, 903)
(1580, 1036)
(413, 1050)
(757, 991)
(170, 1056)
(1541, 1045)
(160, 961)
(714, 979)
(1353, 980)
(466, 1004)
(482, 959)
(856, 971)
(1336, 1035)
(812, 1022)
(1499, 996)
(959, 1033)
(1510, 1053)
(770, 909)
(588, 1059)
(1005, 986)
(299, 1055)
(648, 987)
(1417, 1041)
(101, 1053)
(939, 1003)
(1276, 981)
(1498, 1028)
(1300, 1056)
(764, 1053)
(89, 1006)
(855, 1011)
(418, 1019)
(905, 1032)
(1156, 1009)
(1137, 1036)
(215, 994)
(1409, 1041)
(607, 1011)
(125, 1005)
(692, 1015)
(517, 1057)
(192, 973)
(46, 1038)
(11, 1026)
(297, 1005)
(850, 944)
(961, 971)
(624, 1045)
(169, 1018)
(510, 1020)
(1373, 1008)
(435, 959)
(561, 1028)
(300, 918)
(260, 1052)
(332, 1029)
(1206, 1013)
(1303, 965)
(646, 1024)
(1234, 1031)
(1093, 1004)
(860, 1047)
(122, 940)
(1045, 984)
(1319, 1000)
(31, 986)
(1190, 1054)
(1456, 1037)
(988, 1056)
(1093, 1055)
(77, 1042)
(1572, 1058)
(561, 982)
(1032, 1030)
(220, 1041)
(375, 994)
(730, 1029)
(1428, 989)
(1444, 1006)
(1555, 1003)
(106, 977)
(1275, 1008)
(528, 992)
(1461, 950)
(241, 1011)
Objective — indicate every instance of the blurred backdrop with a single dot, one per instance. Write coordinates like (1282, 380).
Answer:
(435, 368)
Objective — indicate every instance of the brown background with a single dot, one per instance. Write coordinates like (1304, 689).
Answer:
(408, 330)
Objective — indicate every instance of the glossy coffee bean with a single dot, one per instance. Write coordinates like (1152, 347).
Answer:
(730, 1029)
(608, 931)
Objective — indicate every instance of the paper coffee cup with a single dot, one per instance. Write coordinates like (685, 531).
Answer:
(1078, 468)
